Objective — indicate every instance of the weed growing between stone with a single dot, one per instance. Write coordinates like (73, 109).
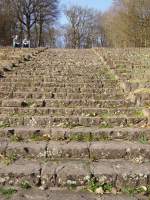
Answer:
(35, 137)
(71, 185)
(131, 191)
(7, 192)
(143, 139)
(99, 188)
(4, 125)
(25, 184)
(10, 158)
(16, 138)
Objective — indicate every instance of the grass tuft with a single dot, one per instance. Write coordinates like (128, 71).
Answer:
(7, 192)
(25, 185)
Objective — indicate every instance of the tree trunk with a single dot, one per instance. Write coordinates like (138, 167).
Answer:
(41, 34)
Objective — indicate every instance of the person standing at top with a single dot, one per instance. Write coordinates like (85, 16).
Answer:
(16, 42)
(26, 43)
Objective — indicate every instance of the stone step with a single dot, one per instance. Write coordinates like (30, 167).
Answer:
(67, 73)
(119, 103)
(57, 194)
(62, 90)
(85, 73)
(10, 61)
(31, 109)
(56, 80)
(59, 88)
(35, 83)
(45, 78)
(117, 173)
(79, 134)
(47, 143)
(16, 76)
(90, 151)
(45, 95)
(71, 121)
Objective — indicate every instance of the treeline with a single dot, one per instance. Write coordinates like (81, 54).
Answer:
(125, 24)
(33, 18)
(83, 29)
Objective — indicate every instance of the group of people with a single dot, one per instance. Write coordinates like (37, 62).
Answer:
(17, 44)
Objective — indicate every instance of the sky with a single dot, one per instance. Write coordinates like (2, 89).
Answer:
(101, 5)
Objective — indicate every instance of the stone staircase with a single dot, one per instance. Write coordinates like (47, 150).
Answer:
(65, 123)
(131, 67)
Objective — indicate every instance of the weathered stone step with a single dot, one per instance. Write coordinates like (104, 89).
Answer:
(71, 121)
(145, 103)
(13, 59)
(66, 80)
(35, 83)
(78, 134)
(117, 173)
(31, 109)
(57, 194)
(64, 73)
(61, 69)
(63, 78)
(63, 90)
(67, 73)
(39, 146)
(119, 103)
(45, 95)
(55, 80)
(92, 151)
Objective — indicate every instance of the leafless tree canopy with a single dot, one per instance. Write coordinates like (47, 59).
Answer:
(7, 22)
(82, 30)
(125, 24)
(33, 18)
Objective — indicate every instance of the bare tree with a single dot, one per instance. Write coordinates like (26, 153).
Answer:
(35, 17)
(26, 11)
(47, 14)
(127, 23)
(7, 22)
(81, 30)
